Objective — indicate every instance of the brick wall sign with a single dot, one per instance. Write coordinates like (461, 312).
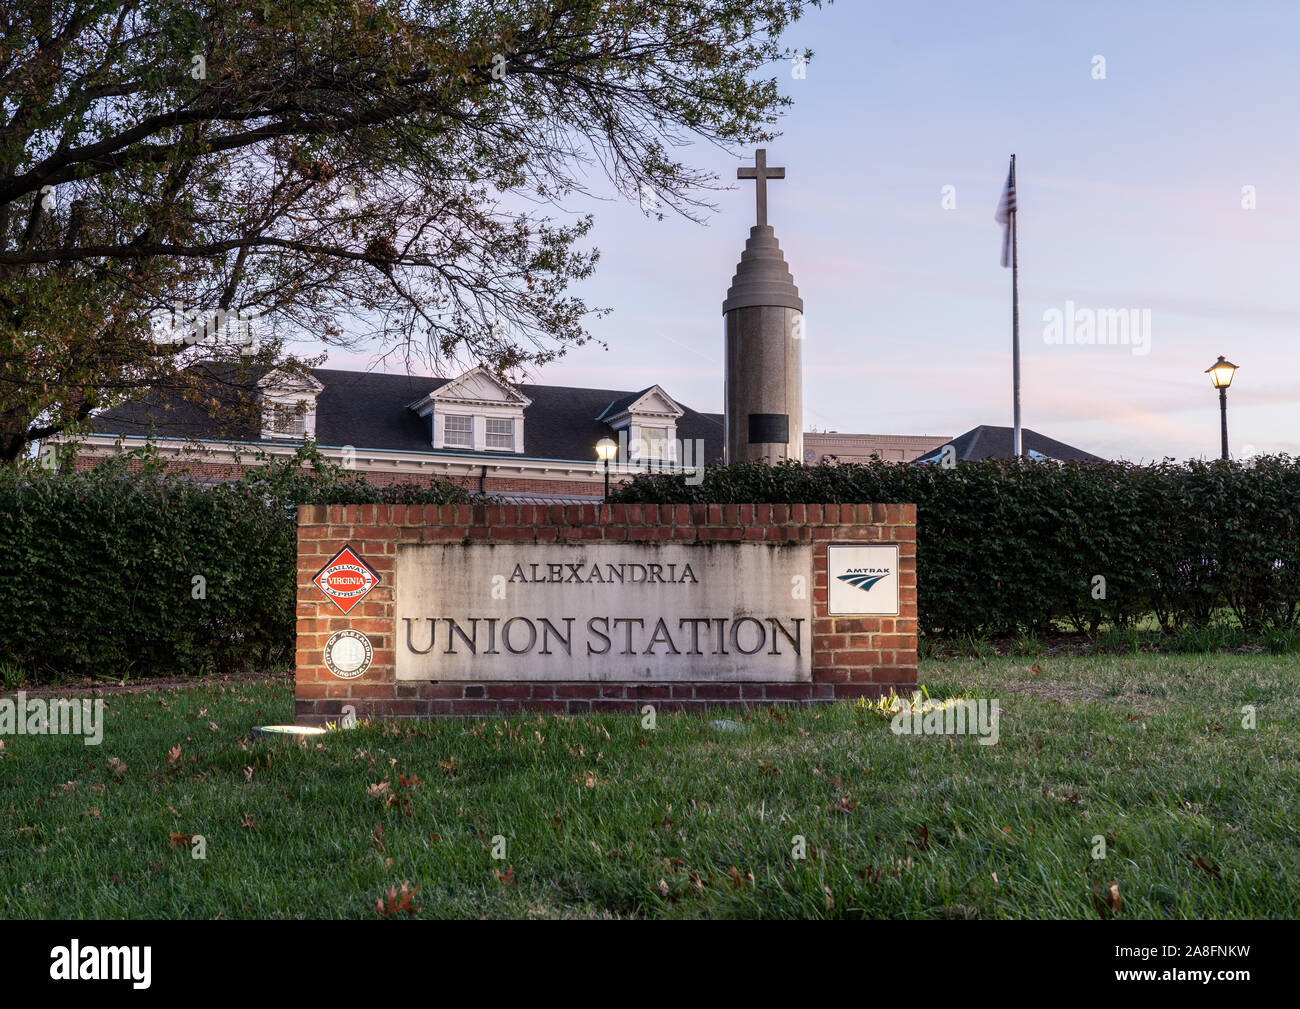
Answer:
(416, 611)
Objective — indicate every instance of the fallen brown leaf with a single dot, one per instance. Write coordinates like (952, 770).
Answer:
(399, 901)
(506, 878)
(738, 881)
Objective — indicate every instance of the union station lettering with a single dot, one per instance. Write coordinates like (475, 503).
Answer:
(610, 636)
(603, 611)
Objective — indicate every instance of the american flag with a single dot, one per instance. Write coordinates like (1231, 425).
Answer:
(1007, 207)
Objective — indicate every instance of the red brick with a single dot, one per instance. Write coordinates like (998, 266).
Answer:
(441, 690)
(717, 691)
(607, 705)
(789, 691)
(496, 690)
(474, 707)
(577, 690)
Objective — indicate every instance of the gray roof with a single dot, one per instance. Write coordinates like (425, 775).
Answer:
(617, 406)
(370, 410)
(988, 442)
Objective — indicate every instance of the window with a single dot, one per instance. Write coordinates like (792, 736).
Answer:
(501, 433)
(288, 421)
(458, 431)
(656, 442)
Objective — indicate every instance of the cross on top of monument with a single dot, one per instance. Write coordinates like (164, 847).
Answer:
(760, 173)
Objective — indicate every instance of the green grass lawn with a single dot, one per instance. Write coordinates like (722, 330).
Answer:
(602, 818)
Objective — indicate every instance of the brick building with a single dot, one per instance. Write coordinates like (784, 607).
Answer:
(519, 442)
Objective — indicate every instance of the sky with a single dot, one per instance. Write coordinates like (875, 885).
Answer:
(1131, 193)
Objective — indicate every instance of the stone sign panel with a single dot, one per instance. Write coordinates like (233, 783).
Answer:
(604, 611)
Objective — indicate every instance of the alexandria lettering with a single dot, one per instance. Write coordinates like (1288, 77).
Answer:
(605, 574)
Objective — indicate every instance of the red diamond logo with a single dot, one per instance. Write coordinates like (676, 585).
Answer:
(346, 580)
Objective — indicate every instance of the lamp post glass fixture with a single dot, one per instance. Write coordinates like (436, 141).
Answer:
(1220, 373)
(606, 449)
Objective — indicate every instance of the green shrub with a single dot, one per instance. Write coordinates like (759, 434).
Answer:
(101, 565)
(1009, 548)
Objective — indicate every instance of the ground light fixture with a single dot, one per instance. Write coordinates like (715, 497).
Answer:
(287, 731)
(606, 449)
(1221, 372)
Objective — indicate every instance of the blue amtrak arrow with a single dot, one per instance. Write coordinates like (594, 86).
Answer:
(863, 582)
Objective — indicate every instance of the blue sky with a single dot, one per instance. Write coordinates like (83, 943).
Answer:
(1130, 194)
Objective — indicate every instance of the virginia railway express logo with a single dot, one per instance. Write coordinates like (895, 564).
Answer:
(346, 580)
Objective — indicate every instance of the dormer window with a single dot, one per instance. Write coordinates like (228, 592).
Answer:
(655, 442)
(287, 421)
(645, 423)
(458, 431)
(289, 405)
(500, 433)
(476, 412)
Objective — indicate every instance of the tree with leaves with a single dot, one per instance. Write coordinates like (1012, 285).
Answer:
(379, 171)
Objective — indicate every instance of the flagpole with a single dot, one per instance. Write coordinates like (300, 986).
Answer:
(1015, 325)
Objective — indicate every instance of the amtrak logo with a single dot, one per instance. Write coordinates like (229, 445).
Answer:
(862, 579)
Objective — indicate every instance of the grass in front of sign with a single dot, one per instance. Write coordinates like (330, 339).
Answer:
(599, 817)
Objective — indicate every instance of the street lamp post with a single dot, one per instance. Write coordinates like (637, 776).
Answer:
(1221, 372)
(606, 449)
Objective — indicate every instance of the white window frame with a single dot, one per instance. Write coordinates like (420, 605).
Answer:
(508, 434)
(655, 448)
(450, 438)
(288, 419)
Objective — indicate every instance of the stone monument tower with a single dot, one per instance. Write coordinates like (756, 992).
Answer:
(764, 343)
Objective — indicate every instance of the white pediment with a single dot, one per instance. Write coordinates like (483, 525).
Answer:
(478, 387)
(650, 403)
(282, 382)
(656, 401)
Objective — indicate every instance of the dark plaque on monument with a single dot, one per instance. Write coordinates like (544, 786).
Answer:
(769, 428)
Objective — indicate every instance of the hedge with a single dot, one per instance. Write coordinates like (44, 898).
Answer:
(1007, 547)
(100, 566)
